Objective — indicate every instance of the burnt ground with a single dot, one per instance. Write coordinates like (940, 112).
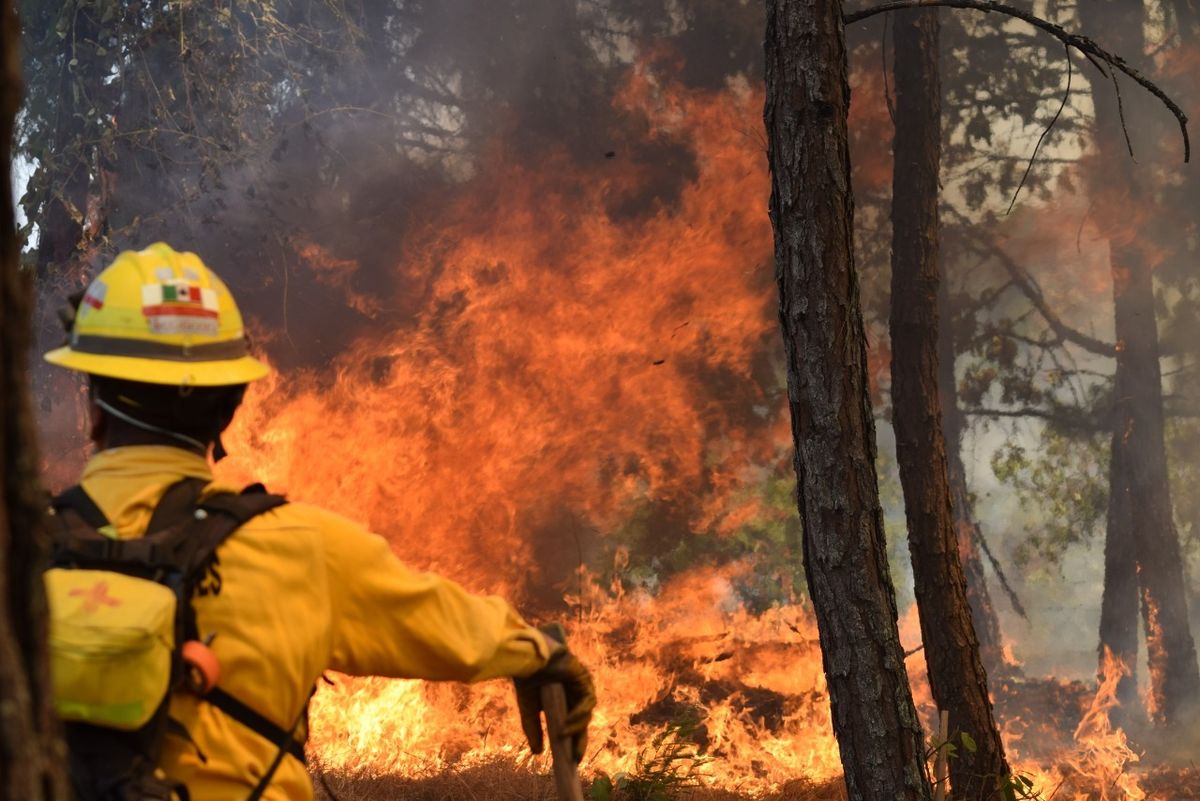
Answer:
(504, 780)
(1043, 712)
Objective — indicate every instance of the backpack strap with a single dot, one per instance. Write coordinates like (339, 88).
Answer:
(181, 536)
(193, 542)
(176, 504)
(255, 722)
(78, 501)
(216, 518)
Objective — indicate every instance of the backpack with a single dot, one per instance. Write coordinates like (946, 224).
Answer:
(123, 638)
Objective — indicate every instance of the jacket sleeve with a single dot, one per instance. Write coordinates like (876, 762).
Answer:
(389, 620)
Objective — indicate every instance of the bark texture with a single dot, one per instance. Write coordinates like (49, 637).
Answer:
(1140, 516)
(845, 559)
(956, 674)
(30, 749)
(1119, 600)
(983, 611)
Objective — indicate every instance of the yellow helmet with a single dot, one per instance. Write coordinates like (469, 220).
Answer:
(160, 317)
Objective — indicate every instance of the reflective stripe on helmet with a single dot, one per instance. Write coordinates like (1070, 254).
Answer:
(141, 348)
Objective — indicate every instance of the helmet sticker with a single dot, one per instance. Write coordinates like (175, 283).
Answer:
(165, 274)
(94, 296)
(179, 307)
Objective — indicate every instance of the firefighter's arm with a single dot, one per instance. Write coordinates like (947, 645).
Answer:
(389, 620)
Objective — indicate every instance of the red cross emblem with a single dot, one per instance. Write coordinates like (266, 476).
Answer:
(95, 597)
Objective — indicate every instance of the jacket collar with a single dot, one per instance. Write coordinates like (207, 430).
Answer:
(127, 482)
(149, 461)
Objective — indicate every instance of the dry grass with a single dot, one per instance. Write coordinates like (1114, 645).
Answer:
(493, 781)
(503, 780)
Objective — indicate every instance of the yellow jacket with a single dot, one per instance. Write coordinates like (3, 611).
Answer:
(294, 592)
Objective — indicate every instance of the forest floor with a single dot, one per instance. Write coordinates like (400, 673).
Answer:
(1167, 767)
(506, 781)
(502, 781)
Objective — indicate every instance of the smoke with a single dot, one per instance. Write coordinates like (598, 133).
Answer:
(592, 175)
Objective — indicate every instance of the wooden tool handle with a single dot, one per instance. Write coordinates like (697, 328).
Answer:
(566, 775)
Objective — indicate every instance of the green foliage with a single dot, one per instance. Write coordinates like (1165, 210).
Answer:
(1016, 787)
(667, 766)
(119, 95)
(1064, 484)
(949, 747)
(756, 524)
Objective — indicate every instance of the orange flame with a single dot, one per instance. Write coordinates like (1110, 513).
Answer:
(1098, 766)
(571, 361)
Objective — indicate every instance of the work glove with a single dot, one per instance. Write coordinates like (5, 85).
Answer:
(565, 669)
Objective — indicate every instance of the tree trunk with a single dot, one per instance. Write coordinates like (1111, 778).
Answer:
(30, 749)
(983, 612)
(1119, 601)
(956, 674)
(845, 558)
(1139, 452)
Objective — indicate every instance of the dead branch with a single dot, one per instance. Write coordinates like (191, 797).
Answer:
(1033, 159)
(1067, 420)
(1013, 598)
(1092, 51)
(1025, 283)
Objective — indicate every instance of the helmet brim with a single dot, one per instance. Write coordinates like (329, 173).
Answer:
(214, 373)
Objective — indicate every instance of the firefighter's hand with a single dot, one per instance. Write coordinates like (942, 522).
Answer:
(565, 669)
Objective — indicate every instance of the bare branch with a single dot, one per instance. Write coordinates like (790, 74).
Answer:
(1045, 133)
(1023, 281)
(1013, 598)
(1083, 44)
(1121, 113)
(1067, 419)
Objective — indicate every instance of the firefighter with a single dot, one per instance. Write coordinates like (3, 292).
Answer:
(296, 590)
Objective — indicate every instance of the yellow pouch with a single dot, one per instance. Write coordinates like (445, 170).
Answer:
(111, 639)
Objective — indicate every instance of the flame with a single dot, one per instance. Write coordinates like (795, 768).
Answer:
(656, 662)
(1098, 765)
(568, 344)
(580, 348)
(1156, 657)
(569, 360)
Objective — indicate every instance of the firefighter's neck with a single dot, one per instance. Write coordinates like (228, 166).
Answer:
(109, 432)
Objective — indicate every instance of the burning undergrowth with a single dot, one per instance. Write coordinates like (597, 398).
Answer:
(744, 693)
(557, 364)
(564, 382)
(723, 705)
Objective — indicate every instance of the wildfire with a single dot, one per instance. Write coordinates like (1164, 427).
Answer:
(570, 361)
(716, 677)
(582, 350)
(575, 349)
(1096, 765)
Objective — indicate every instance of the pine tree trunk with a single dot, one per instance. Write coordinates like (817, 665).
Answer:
(30, 749)
(1119, 601)
(845, 558)
(983, 612)
(1139, 460)
(956, 674)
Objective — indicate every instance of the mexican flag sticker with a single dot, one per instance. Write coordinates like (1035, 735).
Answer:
(179, 307)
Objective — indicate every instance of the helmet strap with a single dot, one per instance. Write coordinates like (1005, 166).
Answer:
(144, 426)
